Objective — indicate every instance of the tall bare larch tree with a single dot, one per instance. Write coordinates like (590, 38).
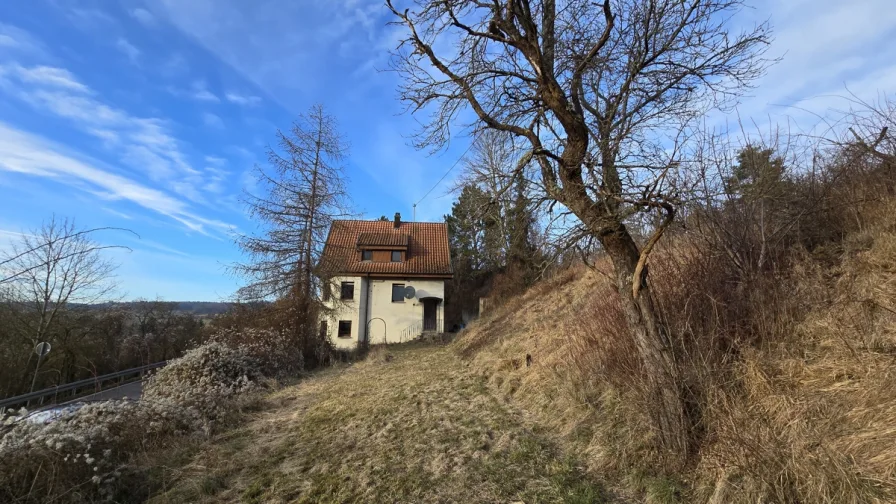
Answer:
(602, 94)
(302, 190)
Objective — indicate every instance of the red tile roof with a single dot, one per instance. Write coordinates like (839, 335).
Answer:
(427, 252)
(383, 239)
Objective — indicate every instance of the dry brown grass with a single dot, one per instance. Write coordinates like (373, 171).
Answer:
(408, 424)
(792, 379)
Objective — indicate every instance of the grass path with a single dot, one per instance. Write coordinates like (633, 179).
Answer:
(407, 425)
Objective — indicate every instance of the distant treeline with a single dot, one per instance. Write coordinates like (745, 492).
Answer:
(207, 308)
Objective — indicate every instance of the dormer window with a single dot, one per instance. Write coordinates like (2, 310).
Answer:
(366, 255)
(396, 256)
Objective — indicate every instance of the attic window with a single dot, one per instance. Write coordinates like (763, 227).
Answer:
(396, 256)
(366, 255)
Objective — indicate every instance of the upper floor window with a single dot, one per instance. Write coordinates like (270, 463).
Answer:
(396, 256)
(347, 291)
(398, 293)
(366, 255)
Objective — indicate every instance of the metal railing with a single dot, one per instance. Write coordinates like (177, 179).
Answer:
(417, 329)
(73, 389)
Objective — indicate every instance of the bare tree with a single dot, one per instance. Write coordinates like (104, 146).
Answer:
(51, 268)
(304, 191)
(602, 93)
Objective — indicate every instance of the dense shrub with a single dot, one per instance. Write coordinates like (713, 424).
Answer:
(275, 351)
(205, 379)
(81, 457)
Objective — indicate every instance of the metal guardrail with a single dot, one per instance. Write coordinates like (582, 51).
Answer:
(75, 387)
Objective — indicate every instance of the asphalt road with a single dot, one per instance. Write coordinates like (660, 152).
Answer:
(127, 391)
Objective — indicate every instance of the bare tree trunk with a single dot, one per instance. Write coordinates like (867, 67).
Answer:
(651, 339)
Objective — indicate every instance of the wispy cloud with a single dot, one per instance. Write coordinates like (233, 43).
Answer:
(88, 19)
(244, 100)
(13, 38)
(144, 143)
(215, 160)
(174, 65)
(825, 46)
(163, 248)
(200, 92)
(143, 16)
(116, 213)
(43, 75)
(128, 49)
(212, 120)
(25, 153)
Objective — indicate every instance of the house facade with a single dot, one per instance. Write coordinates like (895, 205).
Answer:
(385, 281)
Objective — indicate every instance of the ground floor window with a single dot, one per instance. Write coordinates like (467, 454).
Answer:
(345, 329)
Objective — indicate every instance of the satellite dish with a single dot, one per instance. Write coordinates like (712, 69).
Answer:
(409, 292)
(42, 349)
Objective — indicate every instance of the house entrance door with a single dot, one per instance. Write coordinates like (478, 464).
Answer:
(429, 314)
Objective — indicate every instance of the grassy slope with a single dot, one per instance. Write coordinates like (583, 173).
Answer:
(412, 425)
(809, 419)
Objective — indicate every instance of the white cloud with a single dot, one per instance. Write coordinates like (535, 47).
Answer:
(244, 100)
(212, 120)
(89, 19)
(116, 213)
(825, 46)
(198, 91)
(29, 154)
(128, 49)
(13, 38)
(284, 39)
(143, 16)
(215, 160)
(145, 143)
(44, 75)
(205, 95)
(175, 64)
(201, 93)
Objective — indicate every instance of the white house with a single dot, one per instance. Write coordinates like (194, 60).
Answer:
(386, 280)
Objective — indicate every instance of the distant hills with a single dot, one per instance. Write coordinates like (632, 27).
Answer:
(204, 308)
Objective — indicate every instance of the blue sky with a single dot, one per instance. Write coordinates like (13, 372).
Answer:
(150, 115)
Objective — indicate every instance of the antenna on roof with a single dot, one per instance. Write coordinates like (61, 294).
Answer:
(415, 212)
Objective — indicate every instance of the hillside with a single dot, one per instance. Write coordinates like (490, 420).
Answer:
(409, 424)
(798, 408)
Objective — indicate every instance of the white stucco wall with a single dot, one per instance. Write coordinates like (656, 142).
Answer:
(389, 322)
(346, 310)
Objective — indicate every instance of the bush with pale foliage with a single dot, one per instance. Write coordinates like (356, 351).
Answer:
(81, 457)
(277, 352)
(205, 379)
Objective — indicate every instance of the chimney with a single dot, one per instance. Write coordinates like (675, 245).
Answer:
(397, 220)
